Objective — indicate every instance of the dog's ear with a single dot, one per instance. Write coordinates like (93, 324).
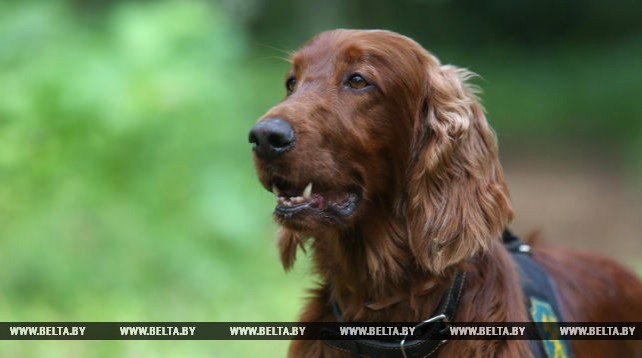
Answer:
(457, 200)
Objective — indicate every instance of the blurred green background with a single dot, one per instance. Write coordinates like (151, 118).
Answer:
(127, 191)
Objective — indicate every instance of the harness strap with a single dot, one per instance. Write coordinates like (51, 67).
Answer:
(541, 299)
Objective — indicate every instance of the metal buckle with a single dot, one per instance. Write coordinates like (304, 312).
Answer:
(441, 317)
(525, 249)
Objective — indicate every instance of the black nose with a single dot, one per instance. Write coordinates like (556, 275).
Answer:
(271, 137)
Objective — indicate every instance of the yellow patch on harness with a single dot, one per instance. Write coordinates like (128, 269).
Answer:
(543, 315)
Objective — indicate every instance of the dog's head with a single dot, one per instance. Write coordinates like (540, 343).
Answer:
(373, 127)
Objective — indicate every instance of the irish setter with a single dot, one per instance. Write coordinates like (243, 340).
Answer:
(382, 157)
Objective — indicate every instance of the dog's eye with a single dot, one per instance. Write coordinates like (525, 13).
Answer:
(356, 81)
(290, 84)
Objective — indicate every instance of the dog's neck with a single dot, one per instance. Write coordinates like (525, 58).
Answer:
(371, 275)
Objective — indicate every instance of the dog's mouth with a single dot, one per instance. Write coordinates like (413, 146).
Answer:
(296, 201)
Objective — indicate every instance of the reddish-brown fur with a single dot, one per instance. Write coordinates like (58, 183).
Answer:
(418, 150)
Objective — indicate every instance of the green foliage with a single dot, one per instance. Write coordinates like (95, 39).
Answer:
(127, 191)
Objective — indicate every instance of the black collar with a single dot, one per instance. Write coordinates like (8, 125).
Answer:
(423, 345)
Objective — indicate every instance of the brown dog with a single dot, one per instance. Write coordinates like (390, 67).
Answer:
(384, 158)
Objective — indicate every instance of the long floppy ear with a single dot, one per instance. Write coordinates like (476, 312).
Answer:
(457, 200)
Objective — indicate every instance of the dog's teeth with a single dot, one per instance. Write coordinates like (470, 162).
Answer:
(307, 192)
(297, 199)
(275, 190)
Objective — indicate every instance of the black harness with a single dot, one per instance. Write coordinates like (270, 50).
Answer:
(540, 297)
